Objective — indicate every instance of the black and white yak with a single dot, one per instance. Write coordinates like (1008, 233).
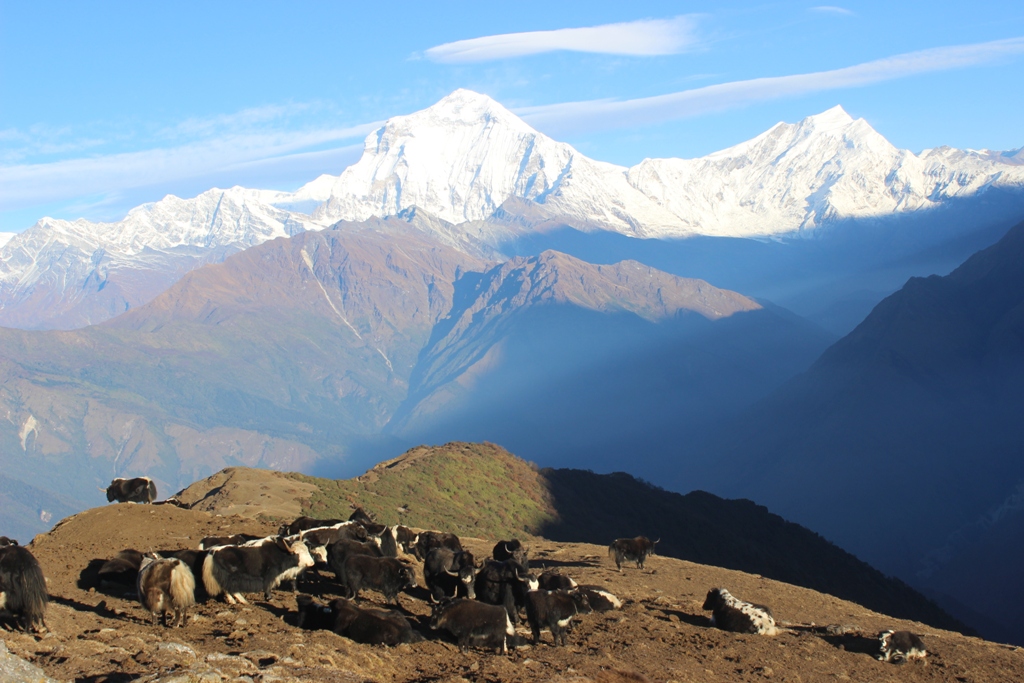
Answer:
(23, 588)
(137, 490)
(599, 598)
(632, 550)
(731, 614)
(554, 611)
(366, 626)
(166, 586)
(900, 647)
(474, 623)
(304, 524)
(232, 570)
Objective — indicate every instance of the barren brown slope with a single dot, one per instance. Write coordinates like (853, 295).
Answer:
(661, 633)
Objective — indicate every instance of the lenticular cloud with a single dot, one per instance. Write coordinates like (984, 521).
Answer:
(641, 38)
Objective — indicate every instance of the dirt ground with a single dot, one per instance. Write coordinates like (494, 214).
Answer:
(661, 633)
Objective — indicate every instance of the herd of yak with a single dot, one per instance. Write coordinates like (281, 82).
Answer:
(478, 603)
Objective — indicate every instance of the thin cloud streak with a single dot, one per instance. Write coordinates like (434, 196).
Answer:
(29, 184)
(832, 9)
(610, 113)
(643, 38)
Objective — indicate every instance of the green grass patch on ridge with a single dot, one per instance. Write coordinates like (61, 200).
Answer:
(472, 489)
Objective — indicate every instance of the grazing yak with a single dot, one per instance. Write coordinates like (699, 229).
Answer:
(23, 588)
(900, 647)
(731, 614)
(474, 623)
(233, 570)
(166, 585)
(554, 610)
(366, 626)
(631, 549)
(137, 490)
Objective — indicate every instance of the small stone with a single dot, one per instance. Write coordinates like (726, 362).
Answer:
(475, 666)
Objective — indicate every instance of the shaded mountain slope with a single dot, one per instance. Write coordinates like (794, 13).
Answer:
(904, 438)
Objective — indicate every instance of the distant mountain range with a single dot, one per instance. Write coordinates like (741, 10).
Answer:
(903, 442)
(332, 348)
(490, 180)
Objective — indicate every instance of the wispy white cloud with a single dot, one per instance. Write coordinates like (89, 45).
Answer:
(225, 157)
(832, 9)
(647, 37)
(613, 113)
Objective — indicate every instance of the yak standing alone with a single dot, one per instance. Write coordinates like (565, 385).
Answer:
(137, 490)
(632, 549)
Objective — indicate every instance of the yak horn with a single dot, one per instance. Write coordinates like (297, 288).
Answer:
(449, 572)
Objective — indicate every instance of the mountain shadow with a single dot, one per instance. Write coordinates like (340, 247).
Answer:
(902, 442)
(736, 534)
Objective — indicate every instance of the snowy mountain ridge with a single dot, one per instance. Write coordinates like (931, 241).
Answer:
(462, 158)
(474, 175)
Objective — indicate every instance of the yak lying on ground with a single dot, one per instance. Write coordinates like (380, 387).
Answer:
(553, 581)
(23, 588)
(631, 549)
(166, 586)
(232, 570)
(367, 626)
(474, 623)
(732, 614)
(387, 575)
(121, 569)
(137, 490)
(600, 599)
(234, 539)
(4, 541)
(554, 610)
(900, 646)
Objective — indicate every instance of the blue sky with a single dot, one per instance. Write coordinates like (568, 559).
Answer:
(106, 105)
